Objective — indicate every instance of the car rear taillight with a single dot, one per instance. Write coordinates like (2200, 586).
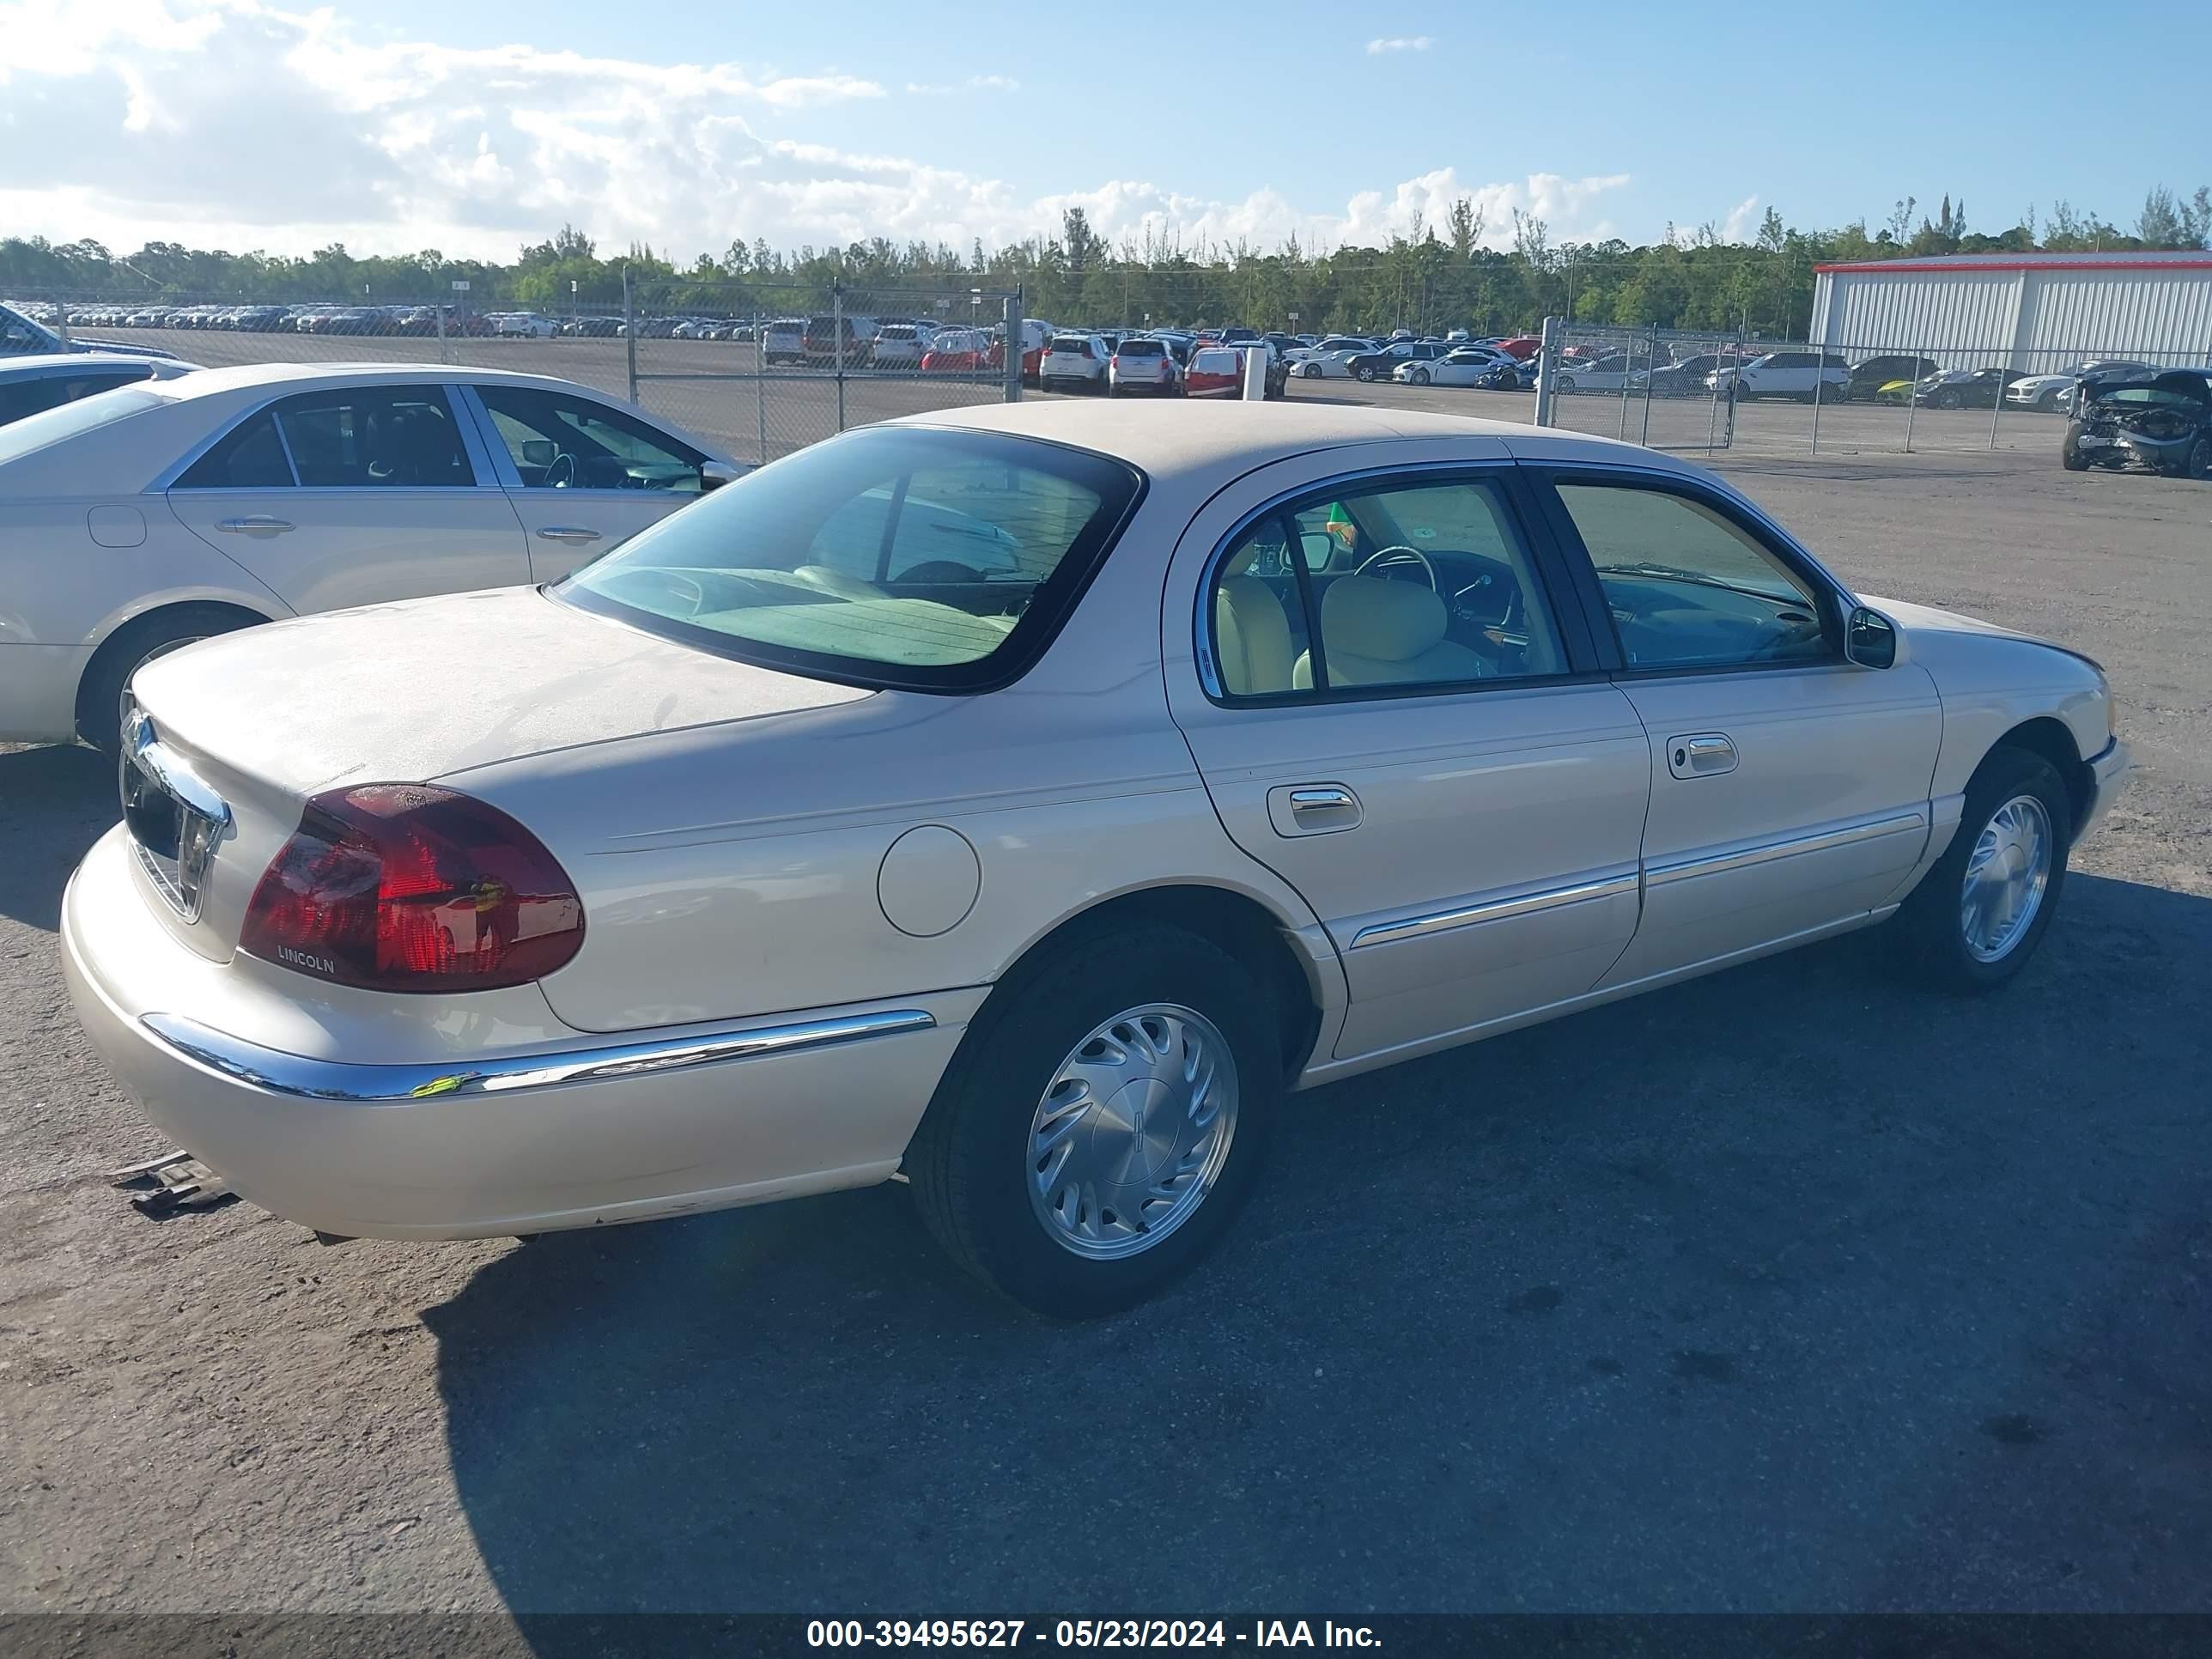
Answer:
(407, 887)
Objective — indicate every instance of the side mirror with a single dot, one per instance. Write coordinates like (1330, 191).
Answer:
(1869, 639)
(1318, 546)
(712, 475)
(539, 452)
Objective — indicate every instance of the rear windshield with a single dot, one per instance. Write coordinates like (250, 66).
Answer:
(1142, 349)
(897, 332)
(1078, 343)
(51, 426)
(937, 560)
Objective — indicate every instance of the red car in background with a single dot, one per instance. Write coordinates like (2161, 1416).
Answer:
(1214, 370)
(1522, 346)
(961, 351)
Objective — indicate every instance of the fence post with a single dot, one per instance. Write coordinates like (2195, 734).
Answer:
(629, 331)
(1650, 368)
(1547, 370)
(837, 333)
(760, 384)
(1015, 305)
(61, 320)
(1996, 403)
(445, 352)
(1820, 384)
(1912, 403)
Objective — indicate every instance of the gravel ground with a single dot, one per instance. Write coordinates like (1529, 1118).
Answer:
(1789, 1289)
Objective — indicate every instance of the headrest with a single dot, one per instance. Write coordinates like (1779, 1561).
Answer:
(1390, 621)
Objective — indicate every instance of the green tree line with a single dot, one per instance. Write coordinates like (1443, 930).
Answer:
(1431, 277)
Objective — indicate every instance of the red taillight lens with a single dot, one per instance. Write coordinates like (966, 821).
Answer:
(405, 887)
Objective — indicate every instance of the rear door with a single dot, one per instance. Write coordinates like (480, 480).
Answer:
(1393, 710)
(352, 495)
(1789, 789)
(583, 475)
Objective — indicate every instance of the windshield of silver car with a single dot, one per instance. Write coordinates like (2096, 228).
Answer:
(930, 559)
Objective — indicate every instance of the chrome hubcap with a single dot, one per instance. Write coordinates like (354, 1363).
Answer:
(1132, 1132)
(2006, 874)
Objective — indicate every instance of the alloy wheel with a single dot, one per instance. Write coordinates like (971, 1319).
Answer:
(1132, 1133)
(2007, 874)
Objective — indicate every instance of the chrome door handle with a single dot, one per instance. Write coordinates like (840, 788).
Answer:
(1700, 755)
(1313, 809)
(257, 523)
(569, 532)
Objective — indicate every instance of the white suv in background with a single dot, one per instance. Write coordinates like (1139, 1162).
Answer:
(1077, 361)
(1785, 374)
(903, 345)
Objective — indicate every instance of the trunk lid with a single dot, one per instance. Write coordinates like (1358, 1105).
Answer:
(263, 719)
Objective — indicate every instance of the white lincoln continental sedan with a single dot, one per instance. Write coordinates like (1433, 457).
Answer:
(1021, 799)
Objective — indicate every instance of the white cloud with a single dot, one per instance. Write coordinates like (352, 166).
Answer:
(1737, 226)
(1376, 47)
(228, 123)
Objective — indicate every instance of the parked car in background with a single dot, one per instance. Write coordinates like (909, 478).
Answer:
(1276, 373)
(1791, 374)
(1606, 374)
(901, 345)
(1074, 362)
(1215, 371)
(593, 328)
(1966, 388)
(783, 342)
(31, 384)
(163, 512)
(540, 908)
(23, 337)
(2051, 394)
(527, 324)
(1685, 377)
(1462, 365)
(831, 341)
(1382, 364)
(1334, 342)
(1870, 375)
(1145, 365)
(2142, 420)
(961, 351)
(1523, 346)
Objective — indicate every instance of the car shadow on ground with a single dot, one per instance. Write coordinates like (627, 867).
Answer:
(55, 801)
(1790, 1288)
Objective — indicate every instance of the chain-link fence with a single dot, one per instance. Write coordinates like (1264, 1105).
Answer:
(759, 369)
(1677, 391)
(766, 369)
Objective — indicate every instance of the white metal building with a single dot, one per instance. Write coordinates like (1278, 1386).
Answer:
(2038, 313)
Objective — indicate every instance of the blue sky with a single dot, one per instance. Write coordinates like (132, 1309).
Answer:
(413, 123)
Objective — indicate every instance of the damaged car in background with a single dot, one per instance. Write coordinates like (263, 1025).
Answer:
(2154, 422)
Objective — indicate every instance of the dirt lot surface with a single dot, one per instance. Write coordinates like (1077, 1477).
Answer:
(1788, 1289)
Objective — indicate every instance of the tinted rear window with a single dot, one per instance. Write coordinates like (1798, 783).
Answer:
(937, 560)
(1142, 349)
(1078, 343)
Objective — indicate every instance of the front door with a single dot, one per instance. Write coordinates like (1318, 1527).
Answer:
(583, 475)
(1390, 714)
(1789, 788)
(354, 495)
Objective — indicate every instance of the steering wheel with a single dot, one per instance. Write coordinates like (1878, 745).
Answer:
(561, 474)
(1397, 554)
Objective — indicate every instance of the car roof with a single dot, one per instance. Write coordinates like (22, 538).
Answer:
(249, 377)
(1225, 440)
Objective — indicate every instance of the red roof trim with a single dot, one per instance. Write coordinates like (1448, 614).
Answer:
(1896, 266)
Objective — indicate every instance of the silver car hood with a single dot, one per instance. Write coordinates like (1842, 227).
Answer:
(425, 688)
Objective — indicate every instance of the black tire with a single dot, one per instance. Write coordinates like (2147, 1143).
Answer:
(2199, 464)
(968, 1164)
(1419, 377)
(100, 693)
(2070, 456)
(1930, 930)
(1948, 399)
(1364, 373)
(2047, 404)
